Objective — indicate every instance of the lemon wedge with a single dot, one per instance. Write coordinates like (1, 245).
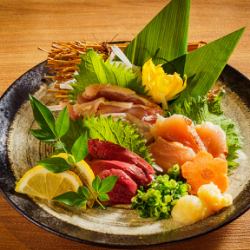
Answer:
(82, 169)
(40, 182)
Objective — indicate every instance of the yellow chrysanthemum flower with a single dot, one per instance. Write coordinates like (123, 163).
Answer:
(162, 87)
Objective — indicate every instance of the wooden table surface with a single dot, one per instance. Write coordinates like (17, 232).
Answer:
(28, 24)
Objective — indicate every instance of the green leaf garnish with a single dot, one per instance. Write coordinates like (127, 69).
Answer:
(62, 123)
(43, 115)
(103, 197)
(93, 69)
(164, 38)
(83, 194)
(80, 148)
(55, 164)
(204, 65)
(107, 184)
(43, 135)
(72, 199)
(84, 191)
(96, 183)
(119, 132)
(76, 129)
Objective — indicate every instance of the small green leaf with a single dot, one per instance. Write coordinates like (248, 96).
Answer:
(80, 148)
(55, 164)
(62, 123)
(83, 191)
(70, 199)
(59, 147)
(96, 183)
(103, 197)
(42, 115)
(43, 135)
(75, 130)
(71, 160)
(108, 184)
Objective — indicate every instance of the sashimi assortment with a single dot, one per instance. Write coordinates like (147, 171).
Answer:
(138, 127)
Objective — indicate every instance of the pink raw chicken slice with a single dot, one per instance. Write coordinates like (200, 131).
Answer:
(214, 139)
(178, 128)
(167, 153)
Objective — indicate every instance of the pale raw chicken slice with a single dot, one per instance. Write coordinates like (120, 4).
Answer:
(167, 153)
(113, 93)
(214, 139)
(178, 128)
(88, 108)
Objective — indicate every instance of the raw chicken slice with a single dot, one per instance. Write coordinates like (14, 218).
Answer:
(214, 139)
(178, 128)
(113, 93)
(124, 189)
(105, 150)
(130, 169)
(167, 153)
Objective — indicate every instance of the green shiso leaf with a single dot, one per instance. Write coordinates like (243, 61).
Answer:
(204, 65)
(119, 132)
(93, 69)
(164, 38)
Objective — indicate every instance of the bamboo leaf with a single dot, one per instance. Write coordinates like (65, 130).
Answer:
(164, 38)
(204, 65)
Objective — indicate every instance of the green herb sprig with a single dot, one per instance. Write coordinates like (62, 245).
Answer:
(52, 131)
(84, 194)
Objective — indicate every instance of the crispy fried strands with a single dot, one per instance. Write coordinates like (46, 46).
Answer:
(64, 57)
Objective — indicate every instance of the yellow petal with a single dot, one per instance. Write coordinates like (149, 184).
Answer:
(161, 86)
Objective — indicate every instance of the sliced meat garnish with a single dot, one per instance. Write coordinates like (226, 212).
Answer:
(114, 107)
(73, 115)
(113, 93)
(88, 108)
(214, 139)
(167, 153)
(178, 128)
(105, 150)
(145, 113)
(124, 189)
(130, 169)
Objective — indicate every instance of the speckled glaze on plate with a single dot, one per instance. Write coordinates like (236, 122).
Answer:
(19, 151)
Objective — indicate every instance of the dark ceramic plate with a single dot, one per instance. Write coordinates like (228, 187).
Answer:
(114, 226)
